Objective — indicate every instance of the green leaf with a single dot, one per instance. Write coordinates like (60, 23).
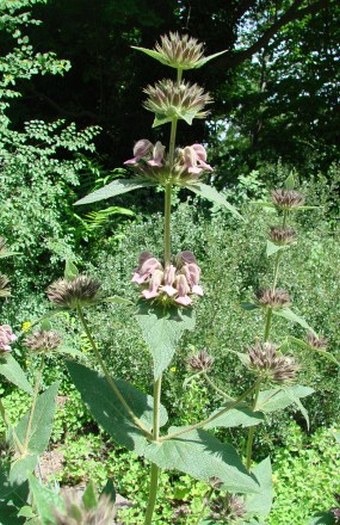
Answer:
(278, 399)
(118, 300)
(89, 498)
(273, 248)
(73, 352)
(241, 415)
(204, 60)
(249, 306)
(153, 54)
(290, 181)
(46, 325)
(210, 193)
(322, 518)
(296, 400)
(71, 271)
(201, 455)
(260, 504)
(42, 421)
(109, 490)
(108, 411)
(162, 329)
(117, 187)
(21, 468)
(46, 501)
(288, 314)
(13, 372)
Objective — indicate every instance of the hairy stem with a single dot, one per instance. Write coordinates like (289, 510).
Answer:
(216, 388)
(167, 225)
(268, 323)
(108, 378)
(211, 418)
(251, 432)
(152, 494)
(34, 403)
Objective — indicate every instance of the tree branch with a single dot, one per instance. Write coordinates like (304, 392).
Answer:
(292, 14)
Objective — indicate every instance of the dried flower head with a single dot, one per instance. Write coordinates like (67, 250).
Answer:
(287, 199)
(6, 338)
(201, 362)
(43, 341)
(169, 100)
(265, 361)
(76, 514)
(282, 236)
(228, 509)
(83, 290)
(173, 284)
(317, 342)
(273, 298)
(5, 290)
(179, 51)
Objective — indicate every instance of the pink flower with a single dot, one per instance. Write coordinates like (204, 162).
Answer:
(183, 289)
(142, 148)
(169, 278)
(6, 337)
(154, 285)
(157, 155)
(195, 158)
(147, 265)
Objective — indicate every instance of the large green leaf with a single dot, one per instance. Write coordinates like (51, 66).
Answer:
(41, 424)
(108, 410)
(162, 330)
(22, 467)
(46, 501)
(260, 504)
(13, 372)
(117, 187)
(241, 415)
(322, 518)
(288, 314)
(278, 399)
(210, 193)
(203, 456)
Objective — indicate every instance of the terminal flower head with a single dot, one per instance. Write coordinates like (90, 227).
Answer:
(6, 338)
(265, 361)
(287, 199)
(273, 298)
(82, 290)
(43, 341)
(282, 236)
(173, 283)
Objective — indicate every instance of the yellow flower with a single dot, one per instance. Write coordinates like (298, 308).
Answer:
(26, 325)
(173, 369)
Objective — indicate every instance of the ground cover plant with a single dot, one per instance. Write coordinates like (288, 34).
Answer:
(231, 486)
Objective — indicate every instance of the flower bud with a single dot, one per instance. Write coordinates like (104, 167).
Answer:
(142, 149)
(83, 290)
(268, 364)
(6, 338)
(287, 199)
(273, 298)
(201, 362)
(179, 51)
(317, 342)
(43, 341)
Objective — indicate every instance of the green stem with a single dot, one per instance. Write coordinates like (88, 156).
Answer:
(152, 494)
(34, 403)
(269, 316)
(108, 378)
(4, 415)
(251, 431)
(156, 406)
(211, 418)
(167, 224)
(216, 388)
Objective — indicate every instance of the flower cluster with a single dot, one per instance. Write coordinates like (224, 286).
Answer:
(151, 162)
(79, 291)
(317, 342)
(282, 236)
(228, 509)
(201, 362)
(179, 51)
(273, 298)
(287, 199)
(6, 338)
(174, 283)
(268, 364)
(43, 341)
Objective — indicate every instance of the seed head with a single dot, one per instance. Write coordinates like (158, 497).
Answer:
(78, 515)
(268, 364)
(201, 362)
(5, 290)
(167, 100)
(282, 236)
(317, 342)
(273, 298)
(80, 291)
(43, 341)
(287, 199)
(6, 338)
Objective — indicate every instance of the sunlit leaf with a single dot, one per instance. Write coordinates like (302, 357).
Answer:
(210, 193)
(13, 372)
(117, 187)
